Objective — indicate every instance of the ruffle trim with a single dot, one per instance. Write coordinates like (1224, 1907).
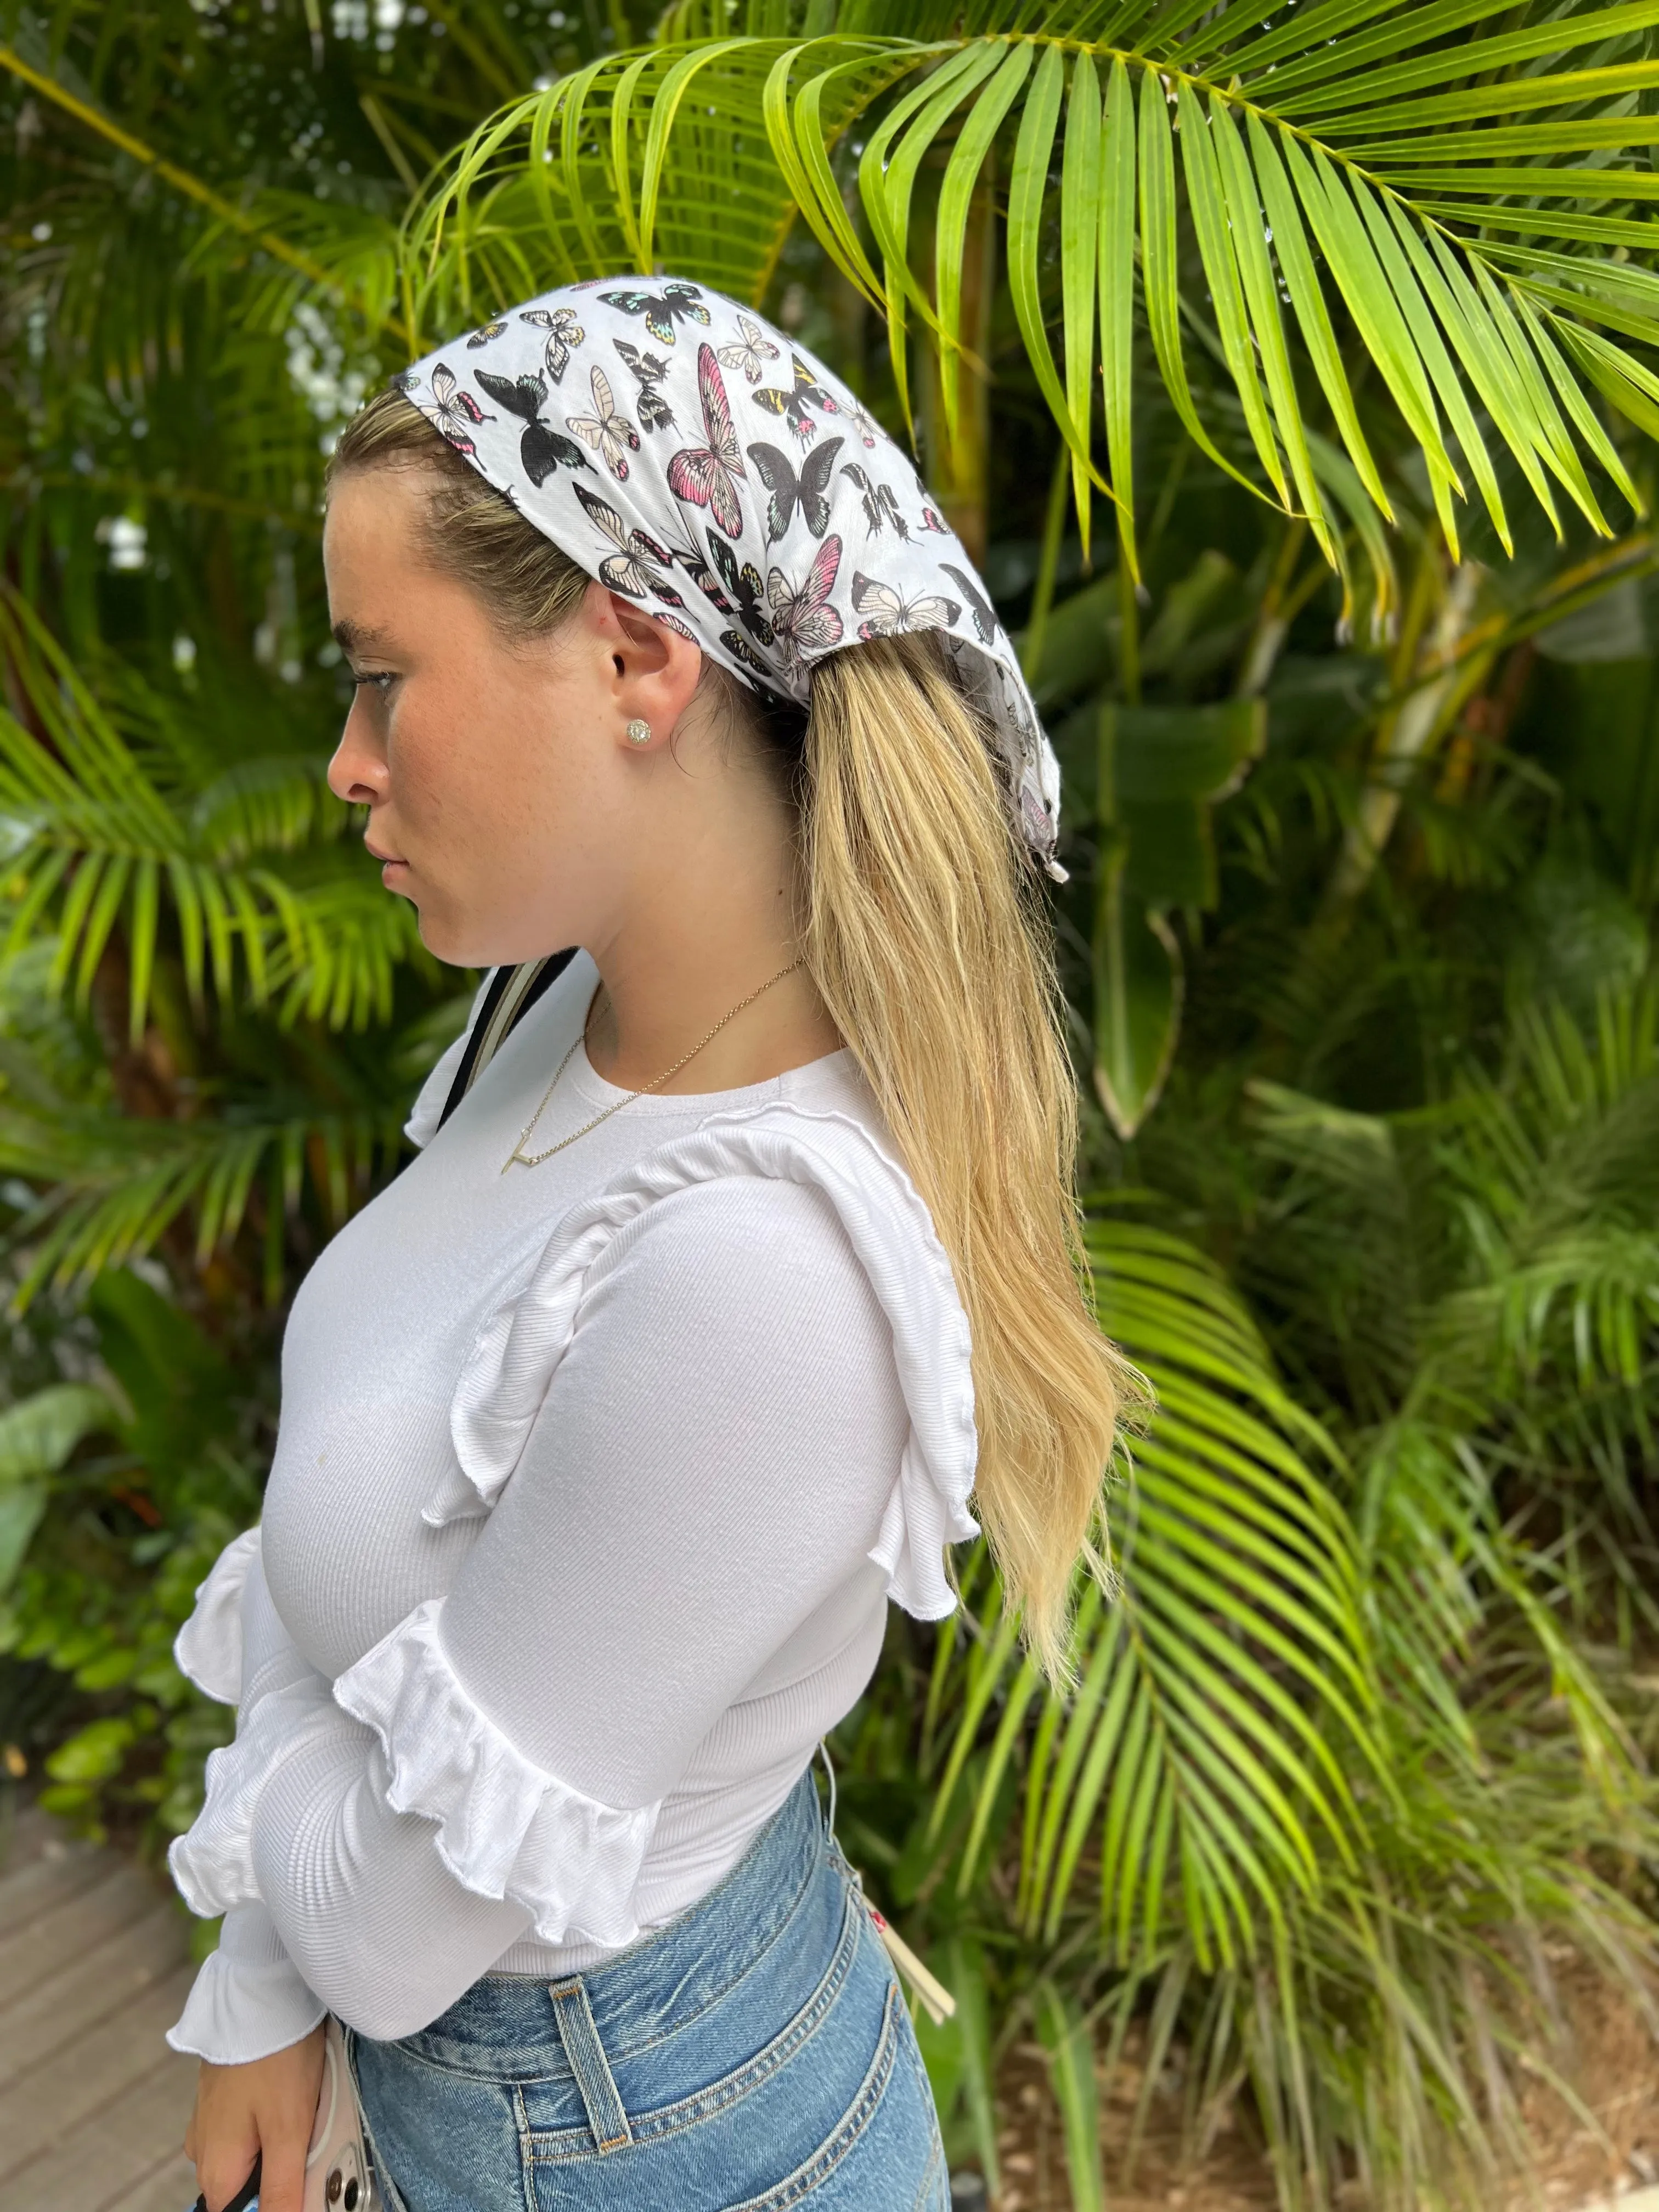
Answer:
(209, 1646)
(506, 1830)
(517, 1351)
(212, 1863)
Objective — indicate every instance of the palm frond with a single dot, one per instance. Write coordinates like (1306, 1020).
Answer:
(99, 845)
(1354, 172)
(37, 71)
(113, 1188)
(1191, 1770)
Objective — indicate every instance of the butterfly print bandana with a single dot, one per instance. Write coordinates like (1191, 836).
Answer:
(697, 460)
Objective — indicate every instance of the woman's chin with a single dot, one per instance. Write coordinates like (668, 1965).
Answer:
(442, 938)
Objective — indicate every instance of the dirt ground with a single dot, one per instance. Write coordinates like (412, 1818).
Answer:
(1614, 2069)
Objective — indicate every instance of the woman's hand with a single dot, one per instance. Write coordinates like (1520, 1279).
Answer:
(263, 2110)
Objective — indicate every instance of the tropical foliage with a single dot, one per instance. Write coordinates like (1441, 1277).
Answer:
(1291, 367)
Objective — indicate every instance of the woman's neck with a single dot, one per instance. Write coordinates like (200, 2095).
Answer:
(709, 924)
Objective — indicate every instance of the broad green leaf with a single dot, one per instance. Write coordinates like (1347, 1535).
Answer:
(22, 1507)
(37, 1434)
(1137, 995)
(830, 220)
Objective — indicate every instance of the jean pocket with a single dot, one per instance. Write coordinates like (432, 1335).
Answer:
(883, 2155)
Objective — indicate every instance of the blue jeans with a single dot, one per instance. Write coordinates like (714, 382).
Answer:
(753, 2055)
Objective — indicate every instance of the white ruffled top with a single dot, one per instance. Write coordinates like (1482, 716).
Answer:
(593, 1483)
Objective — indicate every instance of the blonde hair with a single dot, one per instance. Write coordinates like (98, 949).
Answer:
(923, 930)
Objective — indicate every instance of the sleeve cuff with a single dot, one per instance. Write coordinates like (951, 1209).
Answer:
(248, 1999)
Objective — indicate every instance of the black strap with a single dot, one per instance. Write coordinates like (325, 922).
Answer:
(512, 992)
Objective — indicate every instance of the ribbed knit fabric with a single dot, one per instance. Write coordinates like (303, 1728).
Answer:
(592, 1482)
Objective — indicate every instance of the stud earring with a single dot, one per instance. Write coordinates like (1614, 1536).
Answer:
(639, 732)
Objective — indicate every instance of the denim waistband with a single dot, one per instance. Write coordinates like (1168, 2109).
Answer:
(667, 1977)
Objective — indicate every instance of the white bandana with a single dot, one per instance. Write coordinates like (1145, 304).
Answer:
(687, 454)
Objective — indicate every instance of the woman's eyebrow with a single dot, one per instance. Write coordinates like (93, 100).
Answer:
(356, 638)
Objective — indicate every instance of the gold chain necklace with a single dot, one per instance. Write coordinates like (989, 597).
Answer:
(534, 1159)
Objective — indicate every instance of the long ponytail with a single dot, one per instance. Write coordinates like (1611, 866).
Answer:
(924, 933)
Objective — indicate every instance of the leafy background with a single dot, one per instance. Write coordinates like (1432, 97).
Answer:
(1291, 370)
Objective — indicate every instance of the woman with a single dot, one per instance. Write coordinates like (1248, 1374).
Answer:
(741, 1249)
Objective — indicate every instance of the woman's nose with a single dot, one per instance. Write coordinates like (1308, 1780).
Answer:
(357, 773)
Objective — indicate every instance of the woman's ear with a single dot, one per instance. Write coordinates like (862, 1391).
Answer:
(653, 671)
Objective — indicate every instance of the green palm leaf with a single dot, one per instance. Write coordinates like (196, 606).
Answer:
(98, 841)
(1357, 165)
(1224, 1696)
(114, 1186)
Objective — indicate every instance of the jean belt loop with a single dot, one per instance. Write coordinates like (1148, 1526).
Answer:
(588, 2062)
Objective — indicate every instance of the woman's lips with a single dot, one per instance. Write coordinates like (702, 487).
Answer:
(389, 865)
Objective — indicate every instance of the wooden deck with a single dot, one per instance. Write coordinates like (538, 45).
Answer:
(94, 1966)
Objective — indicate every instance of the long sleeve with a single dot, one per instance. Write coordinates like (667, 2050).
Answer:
(248, 1999)
(711, 1455)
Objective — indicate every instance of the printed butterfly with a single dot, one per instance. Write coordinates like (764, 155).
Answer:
(700, 575)
(886, 614)
(482, 337)
(803, 621)
(564, 332)
(745, 585)
(750, 355)
(610, 435)
(881, 501)
(707, 475)
(930, 521)
(864, 425)
(541, 450)
(807, 392)
(648, 372)
(673, 621)
(740, 649)
(984, 614)
(810, 489)
(457, 411)
(635, 567)
(661, 308)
